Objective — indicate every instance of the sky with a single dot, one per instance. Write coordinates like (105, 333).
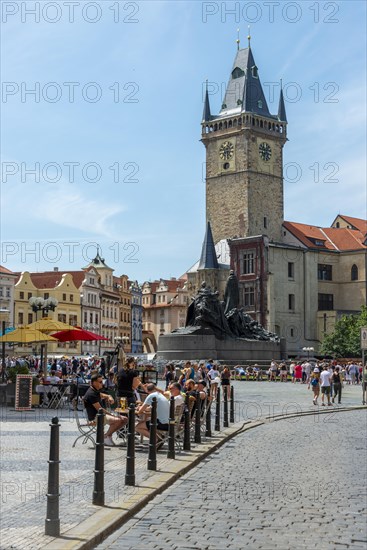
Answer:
(100, 123)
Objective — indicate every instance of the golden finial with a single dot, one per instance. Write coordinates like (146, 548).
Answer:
(249, 37)
(238, 39)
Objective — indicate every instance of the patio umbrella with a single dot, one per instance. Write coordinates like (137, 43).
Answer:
(50, 325)
(25, 335)
(77, 333)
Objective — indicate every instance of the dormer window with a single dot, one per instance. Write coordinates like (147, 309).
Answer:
(254, 72)
(260, 104)
(237, 73)
(239, 101)
(224, 106)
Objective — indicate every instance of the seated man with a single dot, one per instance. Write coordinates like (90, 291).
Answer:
(175, 391)
(53, 379)
(162, 411)
(93, 402)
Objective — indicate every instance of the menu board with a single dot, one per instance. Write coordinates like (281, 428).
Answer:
(23, 392)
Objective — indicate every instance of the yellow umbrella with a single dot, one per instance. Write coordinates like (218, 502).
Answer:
(49, 325)
(25, 335)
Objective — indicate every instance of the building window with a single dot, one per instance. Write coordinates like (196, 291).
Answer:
(96, 318)
(7, 292)
(21, 295)
(61, 317)
(64, 297)
(324, 272)
(291, 302)
(1, 291)
(326, 302)
(354, 273)
(248, 263)
(46, 295)
(249, 296)
(290, 270)
(292, 332)
(91, 318)
(30, 318)
(29, 295)
(71, 298)
(20, 318)
(85, 317)
(265, 222)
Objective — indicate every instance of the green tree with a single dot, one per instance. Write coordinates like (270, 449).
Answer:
(345, 341)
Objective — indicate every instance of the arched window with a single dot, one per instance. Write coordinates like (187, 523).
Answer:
(354, 273)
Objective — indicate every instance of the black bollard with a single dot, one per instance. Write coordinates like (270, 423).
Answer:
(217, 412)
(208, 419)
(187, 421)
(225, 408)
(171, 430)
(52, 523)
(98, 491)
(197, 437)
(152, 456)
(231, 406)
(130, 454)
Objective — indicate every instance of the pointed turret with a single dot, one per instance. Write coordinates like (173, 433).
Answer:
(281, 109)
(206, 111)
(208, 258)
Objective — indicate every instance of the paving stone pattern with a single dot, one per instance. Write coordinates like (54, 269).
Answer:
(295, 484)
(24, 439)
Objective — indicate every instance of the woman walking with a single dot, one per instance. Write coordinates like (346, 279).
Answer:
(337, 385)
(315, 384)
(214, 378)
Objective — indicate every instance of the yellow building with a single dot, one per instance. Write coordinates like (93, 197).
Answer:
(122, 285)
(49, 284)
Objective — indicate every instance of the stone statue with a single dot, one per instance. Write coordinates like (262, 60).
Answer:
(231, 293)
(224, 319)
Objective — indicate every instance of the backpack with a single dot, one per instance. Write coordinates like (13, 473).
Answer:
(314, 381)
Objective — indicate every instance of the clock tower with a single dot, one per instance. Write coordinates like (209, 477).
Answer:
(244, 157)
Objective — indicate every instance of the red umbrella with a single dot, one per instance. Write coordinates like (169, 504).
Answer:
(77, 334)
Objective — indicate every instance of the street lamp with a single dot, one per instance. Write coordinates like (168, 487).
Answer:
(45, 305)
(308, 351)
(41, 304)
(4, 314)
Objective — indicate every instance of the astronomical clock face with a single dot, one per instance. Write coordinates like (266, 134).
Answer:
(265, 151)
(226, 150)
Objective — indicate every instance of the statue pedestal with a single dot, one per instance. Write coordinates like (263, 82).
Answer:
(207, 346)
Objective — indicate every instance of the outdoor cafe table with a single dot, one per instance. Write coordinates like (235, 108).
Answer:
(54, 393)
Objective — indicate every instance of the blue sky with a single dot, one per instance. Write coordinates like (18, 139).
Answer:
(148, 68)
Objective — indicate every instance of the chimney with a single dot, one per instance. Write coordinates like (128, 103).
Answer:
(56, 269)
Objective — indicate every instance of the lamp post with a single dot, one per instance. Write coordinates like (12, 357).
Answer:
(4, 314)
(45, 305)
(308, 351)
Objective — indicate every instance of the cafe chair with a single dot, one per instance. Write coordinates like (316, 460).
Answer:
(86, 428)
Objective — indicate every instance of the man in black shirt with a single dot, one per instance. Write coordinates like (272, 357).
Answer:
(93, 402)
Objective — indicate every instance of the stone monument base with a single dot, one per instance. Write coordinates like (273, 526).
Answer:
(207, 346)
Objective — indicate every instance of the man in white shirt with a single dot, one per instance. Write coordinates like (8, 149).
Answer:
(325, 379)
(162, 411)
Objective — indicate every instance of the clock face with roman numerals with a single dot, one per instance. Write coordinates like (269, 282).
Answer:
(226, 150)
(265, 151)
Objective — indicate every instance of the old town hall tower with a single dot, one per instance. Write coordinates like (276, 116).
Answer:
(244, 157)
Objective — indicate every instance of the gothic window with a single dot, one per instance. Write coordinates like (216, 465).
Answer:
(237, 73)
(354, 273)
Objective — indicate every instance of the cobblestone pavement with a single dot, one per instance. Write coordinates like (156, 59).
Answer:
(292, 484)
(24, 439)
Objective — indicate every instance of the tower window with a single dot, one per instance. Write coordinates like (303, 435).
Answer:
(291, 302)
(226, 166)
(324, 272)
(254, 72)
(237, 73)
(239, 101)
(260, 104)
(290, 270)
(326, 302)
(265, 222)
(354, 273)
(224, 105)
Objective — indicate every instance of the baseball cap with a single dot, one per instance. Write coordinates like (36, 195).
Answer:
(316, 370)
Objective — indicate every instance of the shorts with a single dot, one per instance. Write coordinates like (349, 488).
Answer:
(160, 427)
(225, 382)
(326, 390)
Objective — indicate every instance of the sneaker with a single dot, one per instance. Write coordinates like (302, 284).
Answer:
(108, 442)
(323, 404)
(329, 404)
(314, 401)
(333, 399)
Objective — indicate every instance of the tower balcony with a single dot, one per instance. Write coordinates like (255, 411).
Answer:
(244, 121)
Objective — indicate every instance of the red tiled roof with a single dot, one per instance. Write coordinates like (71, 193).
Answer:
(356, 223)
(6, 271)
(50, 279)
(330, 238)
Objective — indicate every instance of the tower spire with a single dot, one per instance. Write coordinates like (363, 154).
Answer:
(208, 258)
(206, 111)
(238, 39)
(282, 116)
(249, 37)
